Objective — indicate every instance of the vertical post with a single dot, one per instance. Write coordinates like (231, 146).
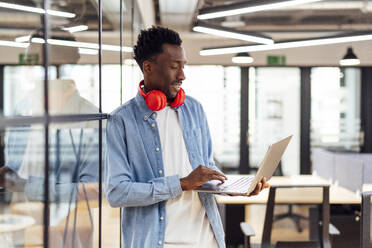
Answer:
(121, 83)
(100, 124)
(365, 239)
(2, 89)
(325, 218)
(305, 120)
(366, 109)
(45, 21)
(2, 142)
(244, 166)
(269, 218)
(121, 52)
(58, 71)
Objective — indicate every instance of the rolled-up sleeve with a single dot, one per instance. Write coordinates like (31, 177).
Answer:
(122, 190)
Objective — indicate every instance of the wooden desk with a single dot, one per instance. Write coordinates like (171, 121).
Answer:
(235, 205)
(338, 194)
(367, 187)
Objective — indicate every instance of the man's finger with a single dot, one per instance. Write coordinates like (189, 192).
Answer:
(213, 172)
(217, 177)
(263, 180)
(257, 189)
(220, 174)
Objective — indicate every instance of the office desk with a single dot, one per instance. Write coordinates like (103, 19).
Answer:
(367, 187)
(338, 194)
(235, 205)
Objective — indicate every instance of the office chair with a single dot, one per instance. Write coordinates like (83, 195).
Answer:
(365, 225)
(248, 233)
(323, 225)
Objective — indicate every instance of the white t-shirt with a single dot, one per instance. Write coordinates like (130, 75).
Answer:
(187, 224)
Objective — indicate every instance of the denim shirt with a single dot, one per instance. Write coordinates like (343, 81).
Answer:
(135, 178)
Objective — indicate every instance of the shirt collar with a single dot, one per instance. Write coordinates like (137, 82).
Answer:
(144, 111)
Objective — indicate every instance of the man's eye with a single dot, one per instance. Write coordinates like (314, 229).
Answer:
(174, 67)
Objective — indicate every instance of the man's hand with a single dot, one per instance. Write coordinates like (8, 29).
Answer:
(260, 186)
(10, 180)
(199, 176)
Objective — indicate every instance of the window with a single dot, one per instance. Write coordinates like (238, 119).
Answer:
(218, 90)
(274, 113)
(335, 108)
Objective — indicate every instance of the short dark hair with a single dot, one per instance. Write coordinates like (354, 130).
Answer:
(150, 42)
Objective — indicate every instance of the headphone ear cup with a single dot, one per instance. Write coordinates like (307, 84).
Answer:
(156, 100)
(180, 98)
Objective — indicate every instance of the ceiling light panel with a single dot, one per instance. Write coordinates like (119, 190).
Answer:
(230, 33)
(88, 45)
(285, 45)
(13, 44)
(36, 10)
(75, 29)
(248, 7)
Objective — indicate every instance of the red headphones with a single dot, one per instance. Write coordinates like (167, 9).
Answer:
(156, 100)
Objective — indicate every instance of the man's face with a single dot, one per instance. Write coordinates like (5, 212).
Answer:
(167, 71)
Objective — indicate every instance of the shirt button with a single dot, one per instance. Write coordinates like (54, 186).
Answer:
(161, 218)
(160, 172)
(145, 117)
(160, 242)
(153, 124)
(157, 149)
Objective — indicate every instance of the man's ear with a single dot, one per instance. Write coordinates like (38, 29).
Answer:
(147, 67)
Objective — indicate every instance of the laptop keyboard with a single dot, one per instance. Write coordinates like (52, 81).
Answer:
(241, 185)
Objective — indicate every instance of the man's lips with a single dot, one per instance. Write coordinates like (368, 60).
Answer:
(176, 85)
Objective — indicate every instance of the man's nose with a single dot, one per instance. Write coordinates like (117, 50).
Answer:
(181, 75)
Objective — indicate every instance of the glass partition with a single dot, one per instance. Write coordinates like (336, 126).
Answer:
(23, 89)
(218, 90)
(22, 201)
(335, 108)
(61, 73)
(274, 113)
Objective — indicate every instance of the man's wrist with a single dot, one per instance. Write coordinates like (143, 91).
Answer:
(184, 184)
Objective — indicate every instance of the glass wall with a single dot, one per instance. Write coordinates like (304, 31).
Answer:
(218, 90)
(335, 108)
(274, 113)
(56, 96)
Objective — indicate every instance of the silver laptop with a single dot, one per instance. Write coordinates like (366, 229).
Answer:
(244, 185)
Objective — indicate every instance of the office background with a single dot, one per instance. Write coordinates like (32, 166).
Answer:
(300, 91)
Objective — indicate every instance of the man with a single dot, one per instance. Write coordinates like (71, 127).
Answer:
(158, 150)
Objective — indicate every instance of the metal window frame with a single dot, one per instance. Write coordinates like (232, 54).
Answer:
(305, 117)
(2, 91)
(244, 165)
(366, 109)
(365, 225)
(46, 28)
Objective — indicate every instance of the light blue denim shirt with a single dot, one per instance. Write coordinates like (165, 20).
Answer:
(135, 177)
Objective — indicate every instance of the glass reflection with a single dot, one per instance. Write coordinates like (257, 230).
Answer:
(73, 181)
(20, 216)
